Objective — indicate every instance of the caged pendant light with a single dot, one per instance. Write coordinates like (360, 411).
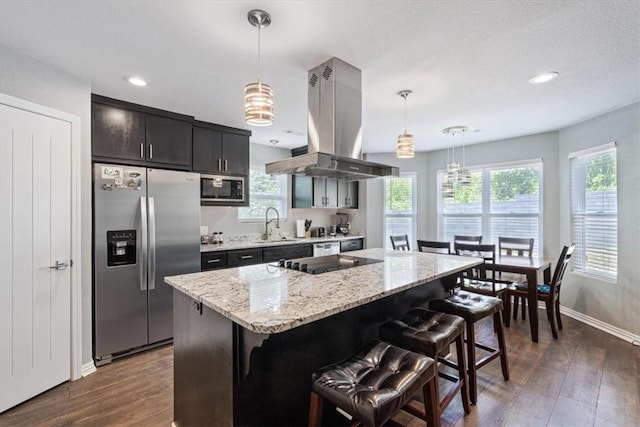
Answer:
(258, 96)
(404, 149)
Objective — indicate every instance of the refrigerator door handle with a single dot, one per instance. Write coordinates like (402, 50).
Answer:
(143, 243)
(152, 244)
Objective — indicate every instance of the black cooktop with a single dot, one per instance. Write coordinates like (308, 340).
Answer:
(324, 264)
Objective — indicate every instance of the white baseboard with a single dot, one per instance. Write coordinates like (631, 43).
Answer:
(88, 369)
(598, 324)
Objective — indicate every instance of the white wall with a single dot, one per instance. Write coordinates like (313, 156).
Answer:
(618, 303)
(225, 219)
(29, 79)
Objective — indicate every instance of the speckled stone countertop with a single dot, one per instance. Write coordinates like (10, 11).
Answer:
(267, 299)
(228, 246)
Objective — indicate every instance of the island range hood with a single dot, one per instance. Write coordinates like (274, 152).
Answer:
(334, 127)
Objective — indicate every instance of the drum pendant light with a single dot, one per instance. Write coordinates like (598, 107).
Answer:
(404, 149)
(258, 96)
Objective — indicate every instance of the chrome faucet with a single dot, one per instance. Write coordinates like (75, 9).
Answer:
(266, 234)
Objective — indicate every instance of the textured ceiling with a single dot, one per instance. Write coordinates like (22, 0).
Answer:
(467, 62)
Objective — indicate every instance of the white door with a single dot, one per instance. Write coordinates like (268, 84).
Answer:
(35, 236)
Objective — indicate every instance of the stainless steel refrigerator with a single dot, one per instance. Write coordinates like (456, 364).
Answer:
(146, 227)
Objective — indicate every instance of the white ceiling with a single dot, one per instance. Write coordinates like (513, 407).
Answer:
(467, 62)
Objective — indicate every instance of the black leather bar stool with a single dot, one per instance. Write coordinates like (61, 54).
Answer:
(473, 307)
(374, 384)
(430, 332)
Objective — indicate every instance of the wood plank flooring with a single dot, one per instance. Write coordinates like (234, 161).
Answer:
(585, 378)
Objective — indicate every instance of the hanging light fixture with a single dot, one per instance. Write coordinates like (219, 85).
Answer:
(455, 173)
(258, 96)
(404, 149)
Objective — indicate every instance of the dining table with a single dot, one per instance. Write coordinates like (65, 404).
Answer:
(532, 268)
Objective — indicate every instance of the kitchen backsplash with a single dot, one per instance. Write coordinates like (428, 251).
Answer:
(225, 219)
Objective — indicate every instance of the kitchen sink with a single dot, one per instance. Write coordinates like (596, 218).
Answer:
(288, 239)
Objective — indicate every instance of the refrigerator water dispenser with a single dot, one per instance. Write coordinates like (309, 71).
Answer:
(121, 247)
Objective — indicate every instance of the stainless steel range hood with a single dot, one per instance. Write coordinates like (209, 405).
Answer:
(334, 125)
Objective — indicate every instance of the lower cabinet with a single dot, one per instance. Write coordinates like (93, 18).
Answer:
(287, 252)
(351, 245)
(213, 260)
(244, 257)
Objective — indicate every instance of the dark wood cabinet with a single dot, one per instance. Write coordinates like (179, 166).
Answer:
(213, 260)
(351, 245)
(348, 194)
(311, 192)
(287, 252)
(244, 257)
(134, 134)
(117, 133)
(168, 141)
(218, 150)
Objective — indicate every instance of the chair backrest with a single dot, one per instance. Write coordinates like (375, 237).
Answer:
(486, 252)
(467, 239)
(400, 243)
(515, 246)
(563, 262)
(434, 246)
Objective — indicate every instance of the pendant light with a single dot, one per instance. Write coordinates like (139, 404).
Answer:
(455, 173)
(404, 148)
(258, 96)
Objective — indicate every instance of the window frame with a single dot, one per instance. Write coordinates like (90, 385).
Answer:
(283, 197)
(485, 215)
(577, 210)
(413, 215)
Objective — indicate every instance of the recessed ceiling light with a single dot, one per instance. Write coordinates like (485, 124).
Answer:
(544, 77)
(136, 81)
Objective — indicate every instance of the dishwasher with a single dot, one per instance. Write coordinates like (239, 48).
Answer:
(327, 248)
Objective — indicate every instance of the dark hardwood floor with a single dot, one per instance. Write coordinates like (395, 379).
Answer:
(585, 378)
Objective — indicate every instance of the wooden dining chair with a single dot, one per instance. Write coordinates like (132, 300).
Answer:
(467, 239)
(476, 280)
(522, 247)
(434, 246)
(400, 243)
(548, 292)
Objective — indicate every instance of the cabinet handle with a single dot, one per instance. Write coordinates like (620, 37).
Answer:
(225, 165)
(150, 151)
(142, 150)
(246, 257)
(213, 261)
(219, 164)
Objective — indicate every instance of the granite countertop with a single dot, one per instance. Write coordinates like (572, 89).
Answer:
(266, 299)
(274, 242)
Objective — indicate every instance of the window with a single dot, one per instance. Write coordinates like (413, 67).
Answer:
(400, 208)
(502, 200)
(594, 211)
(264, 191)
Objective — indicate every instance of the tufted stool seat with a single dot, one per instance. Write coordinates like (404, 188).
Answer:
(374, 384)
(430, 333)
(473, 307)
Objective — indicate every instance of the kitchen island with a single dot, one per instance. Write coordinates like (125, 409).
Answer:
(247, 339)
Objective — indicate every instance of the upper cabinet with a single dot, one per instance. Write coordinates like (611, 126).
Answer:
(311, 192)
(139, 135)
(220, 150)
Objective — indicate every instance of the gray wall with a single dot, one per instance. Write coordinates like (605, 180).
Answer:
(29, 79)
(618, 303)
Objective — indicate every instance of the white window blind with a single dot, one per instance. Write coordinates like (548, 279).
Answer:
(264, 191)
(594, 211)
(502, 200)
(400, 208)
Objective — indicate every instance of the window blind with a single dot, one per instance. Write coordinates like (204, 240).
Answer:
(264, 191)
(594, 211)
(400, 208)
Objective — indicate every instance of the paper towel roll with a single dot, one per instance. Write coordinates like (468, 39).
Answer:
(300, 228)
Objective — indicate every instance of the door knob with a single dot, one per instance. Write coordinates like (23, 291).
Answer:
(60, 265)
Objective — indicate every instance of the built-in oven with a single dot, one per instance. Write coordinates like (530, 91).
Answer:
(219, 189)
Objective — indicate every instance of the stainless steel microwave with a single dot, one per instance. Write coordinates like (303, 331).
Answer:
(222, 189)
